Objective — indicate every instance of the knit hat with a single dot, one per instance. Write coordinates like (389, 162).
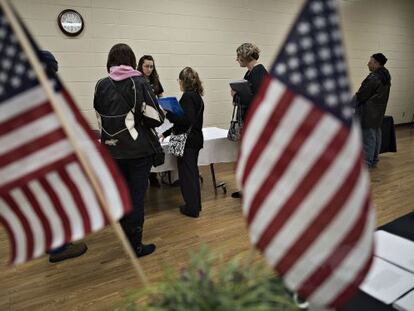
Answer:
(49, 60)
(380, 58)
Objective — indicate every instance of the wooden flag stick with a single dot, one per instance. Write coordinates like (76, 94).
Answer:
(27, 48)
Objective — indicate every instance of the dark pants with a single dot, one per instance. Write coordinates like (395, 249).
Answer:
(371, 139)
(136, 173)
(189, 179)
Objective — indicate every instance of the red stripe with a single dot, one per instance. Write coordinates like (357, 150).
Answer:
(47, 232)
(77, 197)
(105, 217)
(12, 239)
(280, 166)
(113, 169)
(18, 183)
(349, 291)
(252, 110)
(325, 216)
(31, 147)
(58, 207)
(28, 233)
(25, 118)
(275, 119)
(338, 254)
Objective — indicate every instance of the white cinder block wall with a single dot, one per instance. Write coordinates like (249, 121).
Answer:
(205, 33)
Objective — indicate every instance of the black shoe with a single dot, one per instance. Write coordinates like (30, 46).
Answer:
(176, 183)
(71, 250)
(154, 182)
(236, 195)
(184, 210)
(145, 250)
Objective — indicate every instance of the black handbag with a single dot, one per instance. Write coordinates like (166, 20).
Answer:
(236, 125)
(159, 156)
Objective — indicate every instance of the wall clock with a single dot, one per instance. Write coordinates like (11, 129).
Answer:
(70, 22)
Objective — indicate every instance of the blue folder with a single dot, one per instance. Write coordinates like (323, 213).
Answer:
(172, 105)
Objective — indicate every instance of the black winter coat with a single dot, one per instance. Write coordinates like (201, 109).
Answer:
(255, 78)
(113, 101)
(372, 98)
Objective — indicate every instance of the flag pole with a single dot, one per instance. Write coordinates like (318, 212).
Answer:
(27, 48)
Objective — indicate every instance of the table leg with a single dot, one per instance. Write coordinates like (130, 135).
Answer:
(221, 185)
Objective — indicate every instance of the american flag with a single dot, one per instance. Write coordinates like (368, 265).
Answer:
(306, 190)
(46, 198)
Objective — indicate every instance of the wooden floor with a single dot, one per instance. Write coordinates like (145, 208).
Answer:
(100, 278)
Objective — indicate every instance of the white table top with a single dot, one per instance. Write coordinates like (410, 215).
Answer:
(217, 149)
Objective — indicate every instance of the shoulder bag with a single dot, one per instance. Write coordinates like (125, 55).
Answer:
(236, 125)
(177, 142)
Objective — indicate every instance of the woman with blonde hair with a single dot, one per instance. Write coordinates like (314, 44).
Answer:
(192, 121)
(248, 56)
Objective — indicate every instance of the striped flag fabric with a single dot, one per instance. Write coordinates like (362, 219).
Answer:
(306, 191)
(46, 198)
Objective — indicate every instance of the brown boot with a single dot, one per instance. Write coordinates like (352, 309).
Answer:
(71, 250)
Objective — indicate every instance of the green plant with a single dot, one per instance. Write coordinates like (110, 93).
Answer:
(233, 286)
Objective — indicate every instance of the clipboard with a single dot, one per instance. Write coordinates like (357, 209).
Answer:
(241, 87)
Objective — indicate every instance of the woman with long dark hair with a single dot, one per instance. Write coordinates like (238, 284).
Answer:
(146, 65)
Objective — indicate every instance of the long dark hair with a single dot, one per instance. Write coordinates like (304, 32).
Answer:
(121, 54)
(154, 78)
(191, 81)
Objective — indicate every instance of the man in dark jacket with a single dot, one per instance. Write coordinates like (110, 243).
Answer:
(69, 250)
(371, 103)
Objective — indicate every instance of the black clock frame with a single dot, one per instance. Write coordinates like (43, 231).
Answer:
(70, 34)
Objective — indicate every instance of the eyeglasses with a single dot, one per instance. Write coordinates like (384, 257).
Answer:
(148, 66)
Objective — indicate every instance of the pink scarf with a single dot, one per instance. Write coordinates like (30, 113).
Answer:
(123, 72)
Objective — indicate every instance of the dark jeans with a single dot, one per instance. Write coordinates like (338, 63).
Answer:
(371, 139)
(136, 173)
(189, 179)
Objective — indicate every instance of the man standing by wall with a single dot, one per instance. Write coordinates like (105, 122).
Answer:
(68, 250)
(371, 103)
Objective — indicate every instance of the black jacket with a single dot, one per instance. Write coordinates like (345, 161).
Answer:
(255, 78)
(113, 101)
(193, 107)
(372, 98)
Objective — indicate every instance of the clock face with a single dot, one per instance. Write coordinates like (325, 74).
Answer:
(70, 22)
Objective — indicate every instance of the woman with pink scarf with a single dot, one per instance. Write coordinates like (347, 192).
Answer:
(119, 102)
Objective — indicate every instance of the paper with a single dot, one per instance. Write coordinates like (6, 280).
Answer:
(395, 249)
(163, 127)
(171, 104)
(405, 303)
(387, 282)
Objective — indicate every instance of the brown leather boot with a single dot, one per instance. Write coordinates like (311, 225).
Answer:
(71, 250)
